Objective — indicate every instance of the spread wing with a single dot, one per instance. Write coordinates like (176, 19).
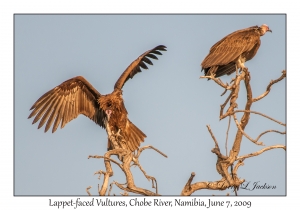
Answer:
(65, 102)
(230, 47)
(136, 65)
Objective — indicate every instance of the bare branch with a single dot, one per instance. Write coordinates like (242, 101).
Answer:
(268, 132)
(227, 134)
(255, 141)
(241, 130)
(187, 186)
(213, 137)
(110, 188)
(240, 163)
(106, 158)
(217, 185)
(136, 190)
(270, 118)
(125, 193)
(261, 151)
(225, 91)
(149, 147)
(225, 103)
(218, 81)
(269, 87)
(218, 153)
(233, 177)
(87, 190)
(233, 96)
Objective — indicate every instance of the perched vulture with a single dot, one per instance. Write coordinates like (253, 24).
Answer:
(77, 96)
(231, 52)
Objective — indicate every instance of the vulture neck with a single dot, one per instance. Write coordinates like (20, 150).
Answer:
(262, 31)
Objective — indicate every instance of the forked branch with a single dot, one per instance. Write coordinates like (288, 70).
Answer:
(283, 75)
(261, 151)
(224, 163)
(254, 112)
(126, 157)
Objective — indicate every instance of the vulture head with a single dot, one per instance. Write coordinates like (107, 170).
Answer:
(112, 103)
(264, 28)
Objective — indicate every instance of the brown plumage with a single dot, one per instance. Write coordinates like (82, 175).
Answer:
(231, 52)
(77, 96)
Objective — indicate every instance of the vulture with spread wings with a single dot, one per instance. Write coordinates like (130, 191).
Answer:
(231, 52)
(77, 96)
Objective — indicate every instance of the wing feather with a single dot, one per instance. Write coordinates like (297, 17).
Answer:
(48, 112)
(40, 110)
(59, 116)
(65, 102)
(145, 59)
(152, 56)
(53, 114)
(134, 67)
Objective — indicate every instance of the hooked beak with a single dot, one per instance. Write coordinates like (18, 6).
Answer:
(269, 30)
(108, 113)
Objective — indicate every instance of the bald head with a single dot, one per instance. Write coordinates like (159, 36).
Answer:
(264, 28)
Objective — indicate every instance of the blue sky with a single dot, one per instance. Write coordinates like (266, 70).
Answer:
(168, 102)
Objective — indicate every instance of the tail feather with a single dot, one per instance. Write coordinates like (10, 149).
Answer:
(132, 135)
(220, 70)
(136, 137)
(226, 69)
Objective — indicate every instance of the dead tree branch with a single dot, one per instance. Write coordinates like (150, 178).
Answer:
(217, 185)
(226, 143)
(235, 88)
(88, 190)
(218, 81)
(261, 151)
(149, 147)
(243, 132)
(270, 118)
(225, 163)
(269, 86)
(126, 157)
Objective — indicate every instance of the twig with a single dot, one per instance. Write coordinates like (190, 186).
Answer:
(149, 147)
(216, 185)
(106, 158)
(240, 163)
(187, 186)
(125, 193)
(261, 151)
(225, 103)
(136, 190)
(241, 130)
(227, 134)
(269, 87)
(110, 188)
(87, 190)
(254, 112)
(233, 177)
(213, 137)
(218, 153)
(225, 91)
(268, 132)
(233, 95)
(218, 81)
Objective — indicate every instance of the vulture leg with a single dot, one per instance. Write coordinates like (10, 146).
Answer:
(240, 64)
(236, 70)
